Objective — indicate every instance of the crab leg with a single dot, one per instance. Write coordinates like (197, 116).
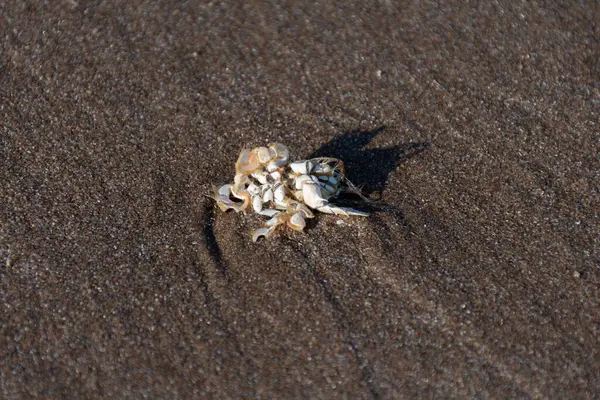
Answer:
(271, 225)
(329, 209)
(266, 232)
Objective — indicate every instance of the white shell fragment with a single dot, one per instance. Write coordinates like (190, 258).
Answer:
(257, 204)
(297, 222)
(270, 185)
(279, 193)
(268, 195)
(269, 212)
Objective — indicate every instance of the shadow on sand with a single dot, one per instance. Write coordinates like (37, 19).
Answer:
(368, 169)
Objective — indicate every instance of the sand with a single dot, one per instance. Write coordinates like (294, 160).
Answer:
(475, 127)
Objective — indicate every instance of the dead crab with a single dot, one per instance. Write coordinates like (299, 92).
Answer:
(287, 192)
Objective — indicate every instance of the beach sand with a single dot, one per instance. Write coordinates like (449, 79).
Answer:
(475, 128)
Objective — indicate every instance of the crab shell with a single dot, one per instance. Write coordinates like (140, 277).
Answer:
(286, 192)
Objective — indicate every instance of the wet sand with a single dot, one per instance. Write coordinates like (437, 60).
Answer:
(475, 128)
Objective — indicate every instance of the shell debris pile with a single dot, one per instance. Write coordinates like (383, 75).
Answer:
(287, 192)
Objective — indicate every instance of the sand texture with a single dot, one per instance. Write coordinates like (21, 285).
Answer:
(474, 125)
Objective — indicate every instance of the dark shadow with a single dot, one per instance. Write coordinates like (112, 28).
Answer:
(369, 169)
(211, 240)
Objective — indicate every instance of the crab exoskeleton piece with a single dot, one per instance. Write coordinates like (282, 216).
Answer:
(266, 182)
